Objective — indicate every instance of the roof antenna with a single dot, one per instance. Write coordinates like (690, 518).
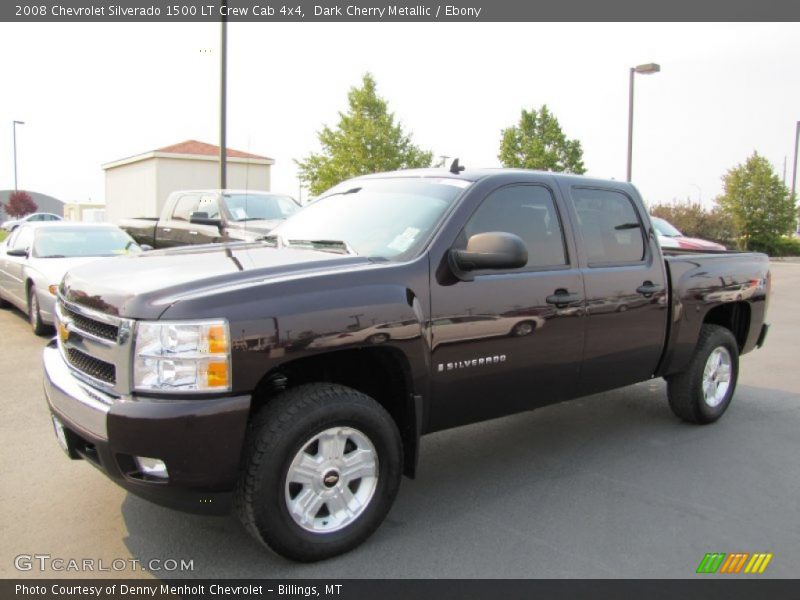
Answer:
(455, 168)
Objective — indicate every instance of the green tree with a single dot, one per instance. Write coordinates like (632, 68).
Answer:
(366, 140)
(537, 142)
(760, 204)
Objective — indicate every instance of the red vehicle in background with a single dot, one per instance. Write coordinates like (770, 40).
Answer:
(670, 237)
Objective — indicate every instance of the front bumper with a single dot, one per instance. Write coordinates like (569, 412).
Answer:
(200, 440)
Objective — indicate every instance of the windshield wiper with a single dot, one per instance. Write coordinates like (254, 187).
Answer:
(336, 246)
(52, 256)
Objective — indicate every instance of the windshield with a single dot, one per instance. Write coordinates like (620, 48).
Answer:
(68, 242)
(665, 228)
(249, 207)
(377, 218)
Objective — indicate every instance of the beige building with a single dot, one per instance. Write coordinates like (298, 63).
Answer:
(90, 212)
(138, 186)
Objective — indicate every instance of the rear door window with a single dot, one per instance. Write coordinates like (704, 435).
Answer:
(610, 227)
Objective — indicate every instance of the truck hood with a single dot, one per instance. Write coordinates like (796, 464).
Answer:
(145, 285)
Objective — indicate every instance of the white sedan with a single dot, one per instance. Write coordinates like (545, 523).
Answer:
(32, 218)
(35, 257)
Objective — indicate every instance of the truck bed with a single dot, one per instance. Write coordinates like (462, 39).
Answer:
(729, 284)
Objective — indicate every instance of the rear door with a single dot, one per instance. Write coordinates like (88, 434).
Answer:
(625, 284)
(500, 343)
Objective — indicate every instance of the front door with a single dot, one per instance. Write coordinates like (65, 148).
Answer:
(506, 342)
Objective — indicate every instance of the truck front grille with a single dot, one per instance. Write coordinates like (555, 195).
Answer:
(91, 366)
(97, 346)
(91, 326)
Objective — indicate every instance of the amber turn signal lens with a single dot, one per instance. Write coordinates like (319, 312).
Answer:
(217, 374)
(217, 339)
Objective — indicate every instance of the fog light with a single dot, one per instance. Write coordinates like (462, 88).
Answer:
(152, 467)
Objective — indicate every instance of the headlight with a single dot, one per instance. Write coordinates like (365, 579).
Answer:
(182, 356)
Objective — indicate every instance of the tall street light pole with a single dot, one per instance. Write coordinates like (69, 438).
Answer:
(223, 84)
(645, 69)
(14, 126)
(794, 167)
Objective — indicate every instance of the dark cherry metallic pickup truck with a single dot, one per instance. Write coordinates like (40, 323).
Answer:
(291, 379)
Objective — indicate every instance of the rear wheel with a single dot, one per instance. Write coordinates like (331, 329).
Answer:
(703, 392)
(34, 314)
(323, 467)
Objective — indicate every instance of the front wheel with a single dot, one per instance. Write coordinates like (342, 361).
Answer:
(703, 392)
(34, 313)
(323, 467)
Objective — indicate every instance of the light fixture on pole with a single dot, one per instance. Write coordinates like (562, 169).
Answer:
(14, 126)
(645, 69)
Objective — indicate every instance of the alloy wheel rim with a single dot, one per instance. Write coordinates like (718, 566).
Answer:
(34, 316)
(717, 376)
(331, 480)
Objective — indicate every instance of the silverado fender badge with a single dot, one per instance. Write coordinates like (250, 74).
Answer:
(475, 362)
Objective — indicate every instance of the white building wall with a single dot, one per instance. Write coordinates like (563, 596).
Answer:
(131, 191)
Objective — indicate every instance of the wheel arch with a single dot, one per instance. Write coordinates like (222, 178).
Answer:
(734, 316)
(383, 373)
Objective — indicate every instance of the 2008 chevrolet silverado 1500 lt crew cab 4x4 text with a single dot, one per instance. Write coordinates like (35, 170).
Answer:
(291, 378)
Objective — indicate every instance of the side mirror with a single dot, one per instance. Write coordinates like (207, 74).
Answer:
(493, 250)
(21, 252)
(201, 218)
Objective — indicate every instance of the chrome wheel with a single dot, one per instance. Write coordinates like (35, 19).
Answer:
(34, 311)
(717, 376)
(331, 480)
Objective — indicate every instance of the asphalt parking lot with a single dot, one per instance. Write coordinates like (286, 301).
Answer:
(609, 486)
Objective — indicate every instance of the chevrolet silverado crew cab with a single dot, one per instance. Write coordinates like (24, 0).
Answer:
(290, 379)
(207, 216)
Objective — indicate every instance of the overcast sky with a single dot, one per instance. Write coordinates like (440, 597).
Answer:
(93, 93)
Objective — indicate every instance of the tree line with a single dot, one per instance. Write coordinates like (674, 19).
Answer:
(755, 211)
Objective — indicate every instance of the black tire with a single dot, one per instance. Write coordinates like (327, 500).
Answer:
(685, 390)
(34, 316)
(5, 303)
(278, 433)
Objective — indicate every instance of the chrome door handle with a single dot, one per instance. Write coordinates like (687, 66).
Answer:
(166, 229)
(192, 233)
